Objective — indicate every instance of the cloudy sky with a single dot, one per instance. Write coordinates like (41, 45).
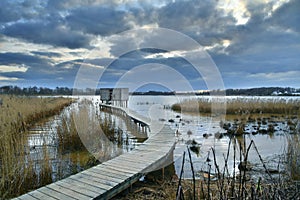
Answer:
(253, 43)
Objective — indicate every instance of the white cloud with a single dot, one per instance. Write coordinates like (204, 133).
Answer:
(237, 9)
(172, 54)
(277, 76)
(13, 68)
(3, 78)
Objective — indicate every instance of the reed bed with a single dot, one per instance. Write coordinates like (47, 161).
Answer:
(85, 129)
(17, 114)
(240, 106)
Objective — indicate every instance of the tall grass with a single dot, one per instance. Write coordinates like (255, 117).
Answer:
(17, 114)
(68, 137)
(240, 106)
(293, 156)
(84, 129)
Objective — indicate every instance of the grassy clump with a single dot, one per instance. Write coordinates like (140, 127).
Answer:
(85, 130)
(240, 106)
(293, 156)
(17, 114)
(68, 137)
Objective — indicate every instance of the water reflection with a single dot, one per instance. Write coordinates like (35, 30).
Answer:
(44, 147)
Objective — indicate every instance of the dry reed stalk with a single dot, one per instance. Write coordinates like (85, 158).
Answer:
(240, 106)
(293, 156)
(17, 114)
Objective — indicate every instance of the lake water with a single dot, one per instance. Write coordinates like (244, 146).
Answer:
(270, 147)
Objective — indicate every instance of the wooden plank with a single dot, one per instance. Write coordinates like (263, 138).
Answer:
(129, 162)
(160, 140)
(120, 188)
(67, 191)
(103, 176)
(104, 184)
(141, 159)
(26, 197)
(93, 180)
(127, 166)
(39, 195)
(54, 194)
(112, 173)
(153, 148)
(78, 187)
(118, 168)
(91, 189)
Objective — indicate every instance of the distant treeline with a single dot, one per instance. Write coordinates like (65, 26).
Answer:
(262, 91)
(155, 93)
(46, 91)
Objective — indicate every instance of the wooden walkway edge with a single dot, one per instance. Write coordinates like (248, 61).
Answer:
(106, 180)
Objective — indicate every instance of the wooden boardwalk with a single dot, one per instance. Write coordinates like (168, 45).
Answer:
(111, 177)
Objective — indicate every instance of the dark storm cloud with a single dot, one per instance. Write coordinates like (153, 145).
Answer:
(40, 71)
(11, 11)
(267, 43)
(47, 33)
(198, 19)
(288, 16)
(60, 23)
(97, 20)
(36, 65)
(264, 44)
(20, 58)
(187, 14)
(137, 58)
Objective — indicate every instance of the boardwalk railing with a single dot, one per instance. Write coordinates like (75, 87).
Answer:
(111, 177)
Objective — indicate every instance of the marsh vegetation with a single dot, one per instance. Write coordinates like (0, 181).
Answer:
(26, 164)
(17, 116)
(42, 141)
(239, 105)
